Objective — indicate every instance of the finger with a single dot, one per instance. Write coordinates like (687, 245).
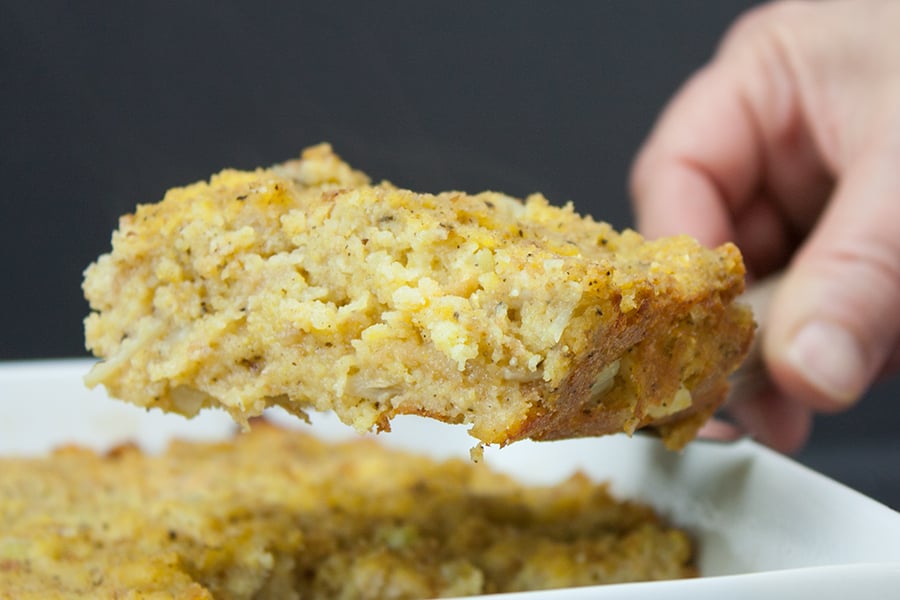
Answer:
(717, 429)
(703, 152)
(737, 131)
(773, 419)
(763, 236)
(834, 322)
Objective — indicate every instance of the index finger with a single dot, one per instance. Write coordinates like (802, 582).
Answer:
(700, 163)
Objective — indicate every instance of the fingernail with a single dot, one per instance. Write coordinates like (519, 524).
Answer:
(830, 359)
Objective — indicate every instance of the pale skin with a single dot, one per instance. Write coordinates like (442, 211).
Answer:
(788, 144)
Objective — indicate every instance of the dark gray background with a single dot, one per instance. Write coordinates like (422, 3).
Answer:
(106, 105)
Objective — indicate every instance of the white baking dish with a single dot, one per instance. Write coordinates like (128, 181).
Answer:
(765, 526)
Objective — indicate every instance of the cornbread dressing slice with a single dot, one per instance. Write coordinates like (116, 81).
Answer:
(308, 287)
(275, 514)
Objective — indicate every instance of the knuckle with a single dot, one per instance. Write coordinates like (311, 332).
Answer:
(761, 22)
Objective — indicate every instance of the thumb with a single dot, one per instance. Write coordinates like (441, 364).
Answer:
(835, 319)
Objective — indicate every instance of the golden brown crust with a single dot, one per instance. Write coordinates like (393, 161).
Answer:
(306, 287)
(721, 335)
(278, 514)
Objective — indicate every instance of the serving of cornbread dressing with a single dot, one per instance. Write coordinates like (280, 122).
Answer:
(276, 514)
(307, 287)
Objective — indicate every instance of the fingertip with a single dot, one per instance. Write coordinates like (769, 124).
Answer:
(810, 356)
(719, 430)
(828, 360)
(681, 200)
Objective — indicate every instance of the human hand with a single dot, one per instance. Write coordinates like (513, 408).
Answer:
(788, 144)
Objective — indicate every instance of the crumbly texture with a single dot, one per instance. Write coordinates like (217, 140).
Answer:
(281, 515)
(306, 286)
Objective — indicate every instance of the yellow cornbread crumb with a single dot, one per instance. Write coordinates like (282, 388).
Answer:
(280, 515)
(305, 286)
